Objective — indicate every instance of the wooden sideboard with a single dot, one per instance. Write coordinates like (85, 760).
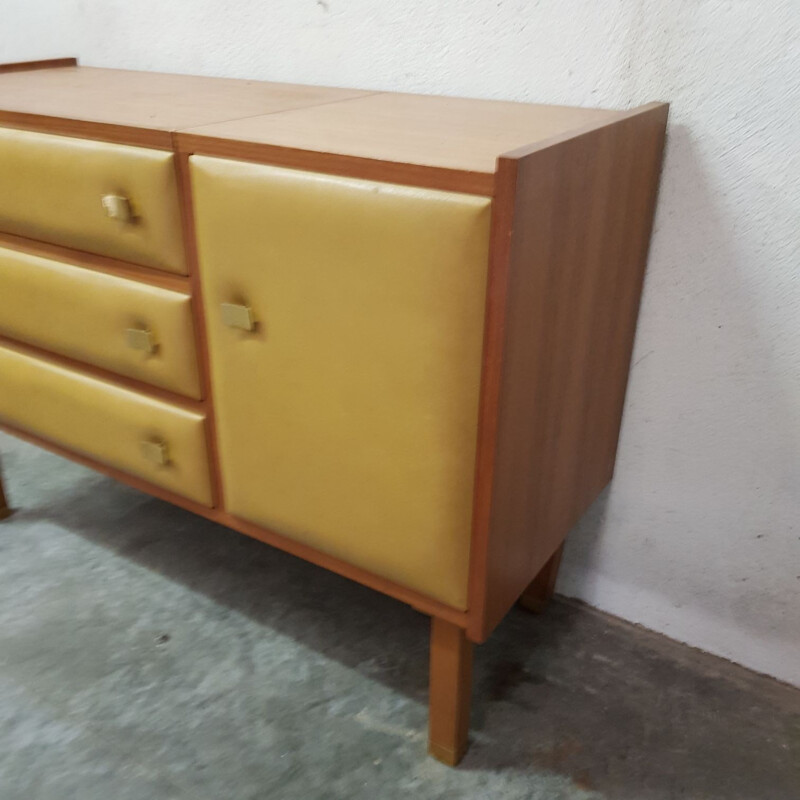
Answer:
(387, 333)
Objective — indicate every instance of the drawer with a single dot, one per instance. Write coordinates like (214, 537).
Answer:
(134, 329)
(57, 189)
(345, 326)
(117, 427)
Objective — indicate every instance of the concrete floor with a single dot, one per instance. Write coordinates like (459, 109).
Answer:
(146, 653)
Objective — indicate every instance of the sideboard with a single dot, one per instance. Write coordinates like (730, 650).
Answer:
(387, 333)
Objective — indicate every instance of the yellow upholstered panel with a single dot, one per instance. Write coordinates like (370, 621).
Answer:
(115, 426)
(347, 417)
(52, 188)
(86, 315)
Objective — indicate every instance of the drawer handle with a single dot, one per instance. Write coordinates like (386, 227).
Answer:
(155, 451)
(141, 339)
(238, 316)
(118, 207)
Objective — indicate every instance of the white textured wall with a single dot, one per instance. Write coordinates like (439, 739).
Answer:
(699, 536)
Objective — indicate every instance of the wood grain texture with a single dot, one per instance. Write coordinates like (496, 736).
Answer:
(445, 133)
(80, 129)
(541, 589)
(417, 601)
(48, 63)
(572, 223)
(151, 101)
(111, 266)
(450, 693)
(419, 140)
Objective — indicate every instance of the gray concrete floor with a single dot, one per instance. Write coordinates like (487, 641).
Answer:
(146, 653)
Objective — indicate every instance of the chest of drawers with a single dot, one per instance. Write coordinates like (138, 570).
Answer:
(387, 333)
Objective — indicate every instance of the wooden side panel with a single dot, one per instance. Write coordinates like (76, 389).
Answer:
(572, 225)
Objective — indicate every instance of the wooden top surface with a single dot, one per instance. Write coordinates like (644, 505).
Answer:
(445, 132)
(152, 100)
(459, 136)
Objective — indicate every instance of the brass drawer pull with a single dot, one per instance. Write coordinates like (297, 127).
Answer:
(155, 451)
(118, 207)
(141, 339)
(238, 316)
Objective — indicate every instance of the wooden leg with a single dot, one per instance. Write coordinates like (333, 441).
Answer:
(541, 588)
(450, 692)
(5, 511)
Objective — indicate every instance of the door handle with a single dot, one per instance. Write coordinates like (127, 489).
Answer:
(117, 207)
(141, 339)
(155, 451)
(236, 315)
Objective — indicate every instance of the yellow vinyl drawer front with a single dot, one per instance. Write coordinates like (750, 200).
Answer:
(345, 324)
(145, 437)
(132, 328)
(111, 199)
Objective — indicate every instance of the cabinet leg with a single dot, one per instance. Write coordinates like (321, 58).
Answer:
(5, 511)
(450, 692)
(541, 588)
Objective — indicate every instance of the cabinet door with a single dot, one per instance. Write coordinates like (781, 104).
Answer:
(347, 414)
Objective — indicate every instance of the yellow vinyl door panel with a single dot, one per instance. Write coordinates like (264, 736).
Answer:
(345, 322)
(132, 328)
(145, 437)
(111, 199)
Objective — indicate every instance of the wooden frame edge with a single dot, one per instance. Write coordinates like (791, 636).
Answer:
(185, 200)
(491, 375)
(153, 138)
(441, 178)
(172, 281)
(102, 374)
